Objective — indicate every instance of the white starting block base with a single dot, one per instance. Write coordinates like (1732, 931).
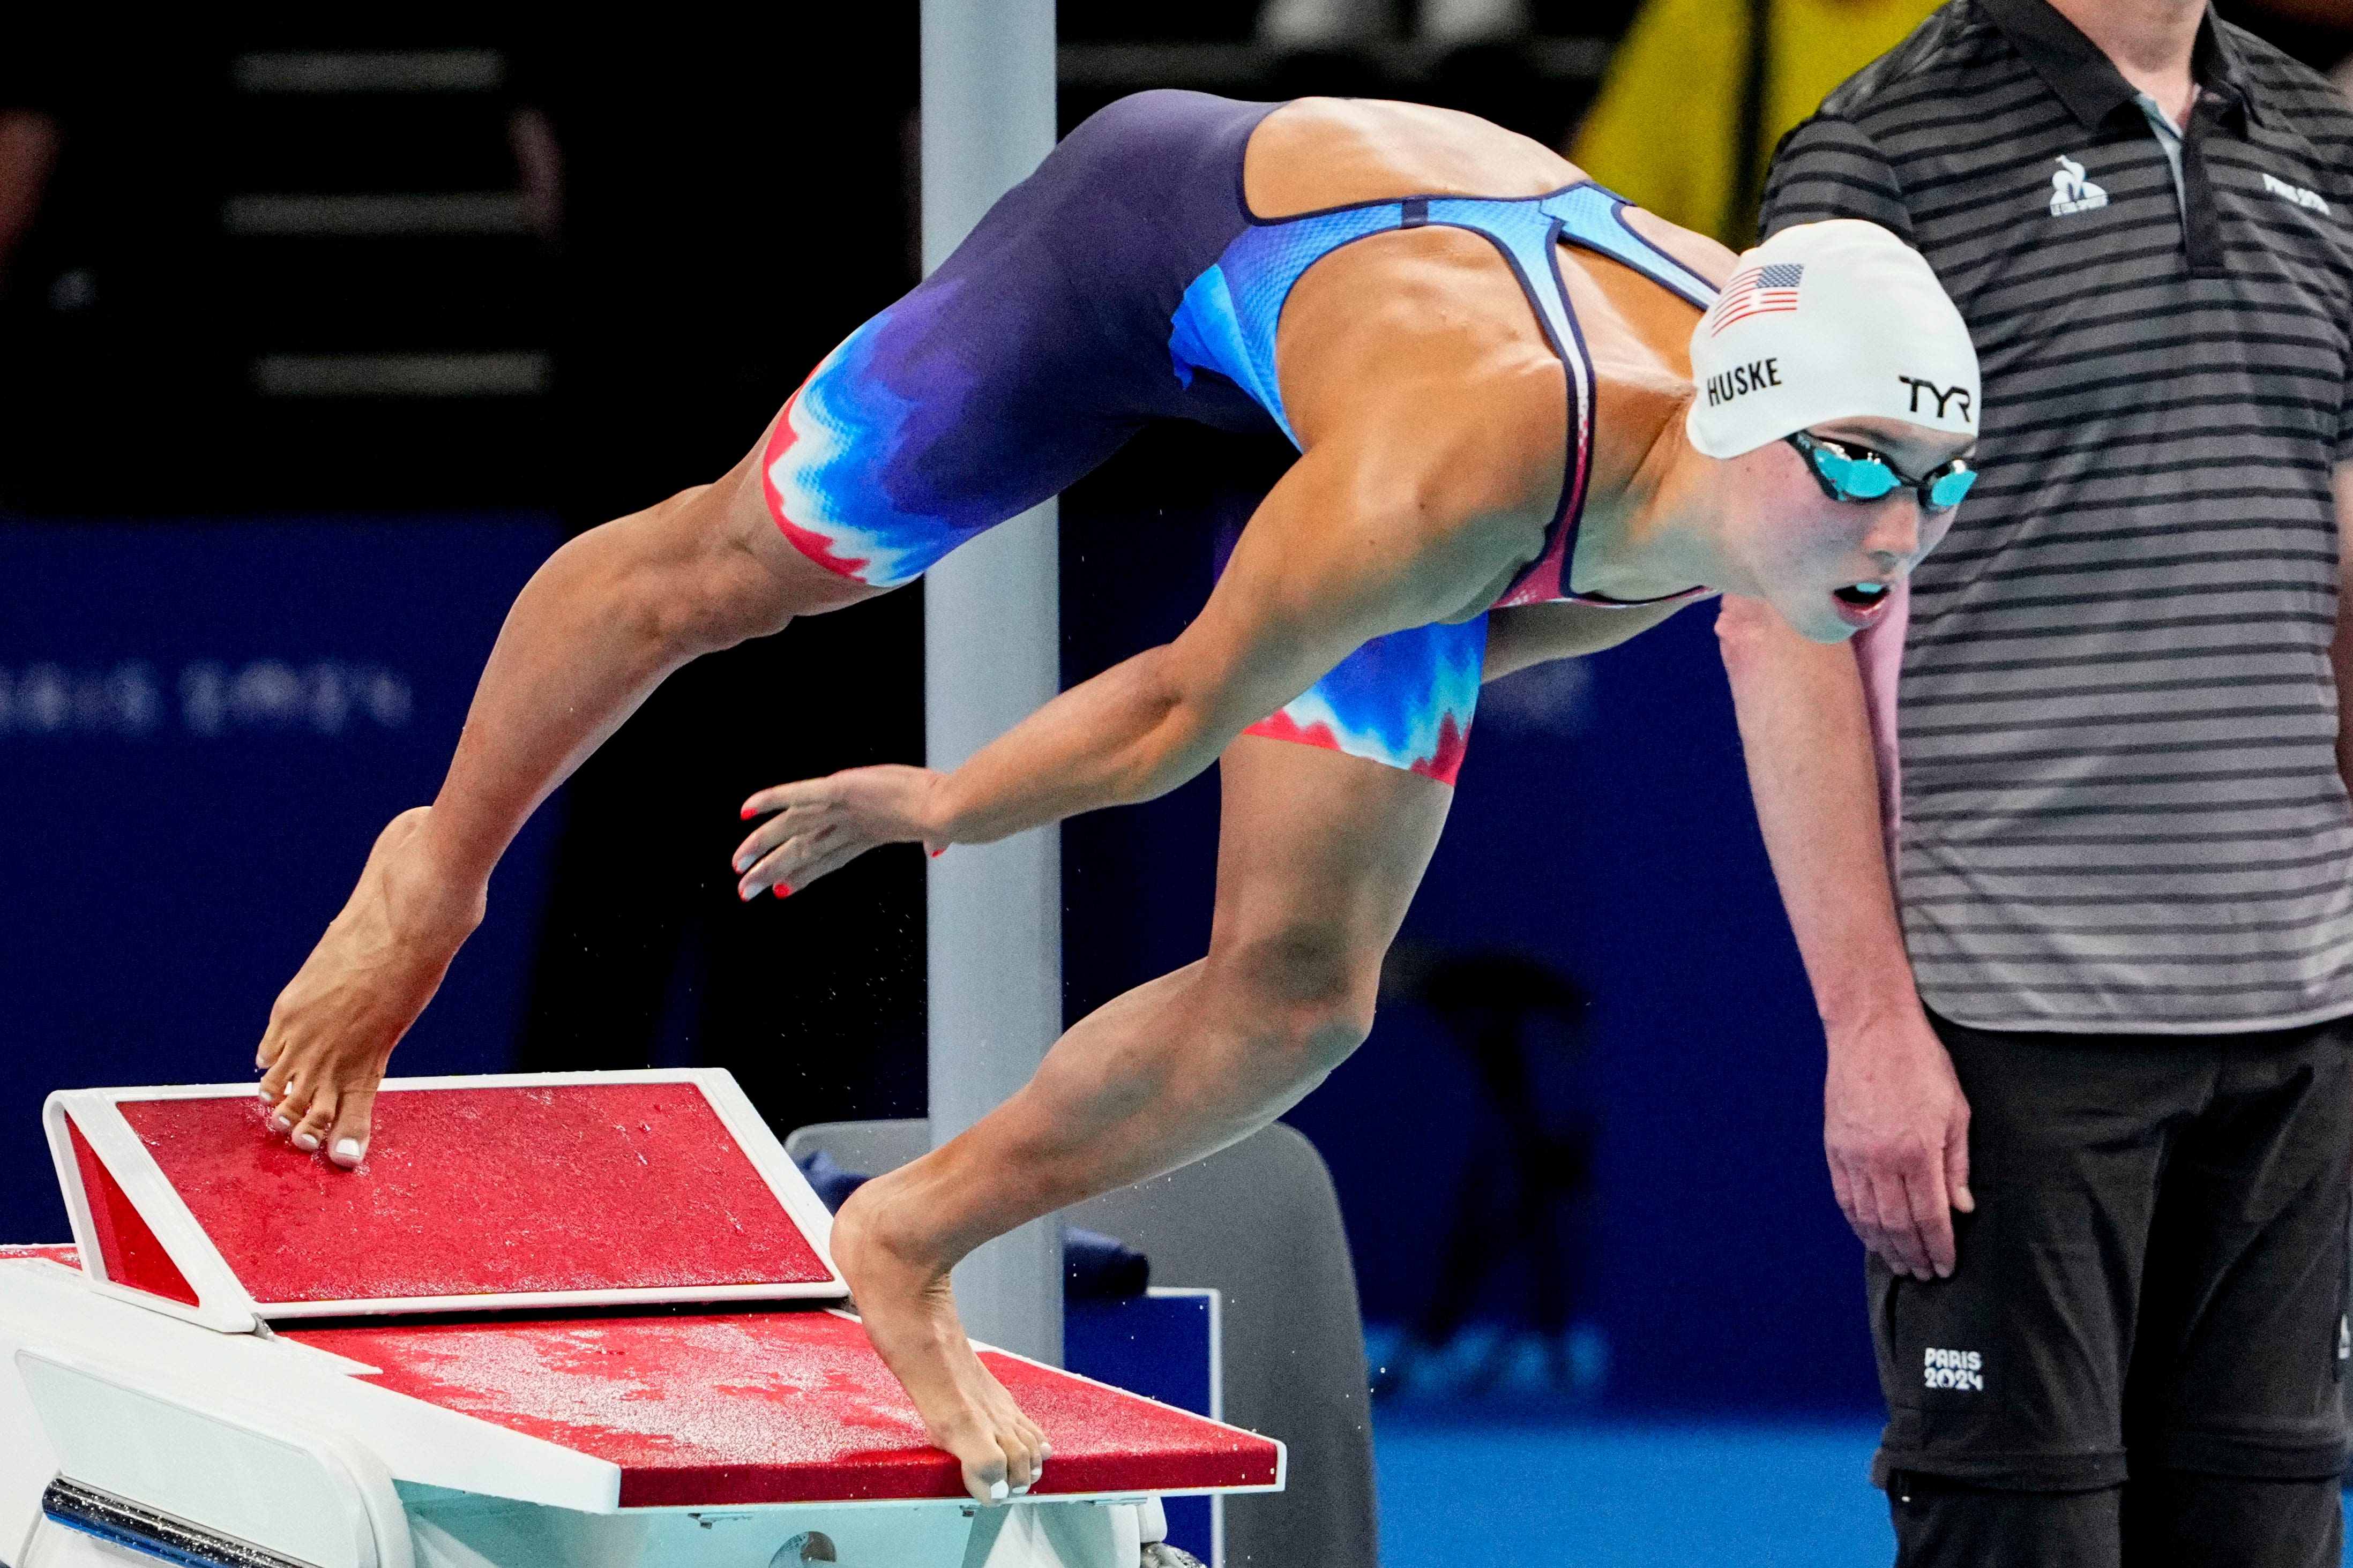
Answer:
(459, 1532)
(475, 1533)
(172, 1435)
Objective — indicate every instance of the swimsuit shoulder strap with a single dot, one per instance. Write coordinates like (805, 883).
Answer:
(1593, 218)
(1529, 231)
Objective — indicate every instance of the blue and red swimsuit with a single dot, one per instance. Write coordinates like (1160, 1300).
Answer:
(1127, 280)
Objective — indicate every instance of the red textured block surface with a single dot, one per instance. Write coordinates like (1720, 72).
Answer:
(133, 1255)
(482, 1191)
(758, 1408)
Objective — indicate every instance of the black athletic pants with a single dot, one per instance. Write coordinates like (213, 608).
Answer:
(2136, 1359)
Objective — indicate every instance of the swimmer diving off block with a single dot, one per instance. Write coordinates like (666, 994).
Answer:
(1529, 428)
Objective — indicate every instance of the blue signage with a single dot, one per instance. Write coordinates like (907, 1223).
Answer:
(203, 727)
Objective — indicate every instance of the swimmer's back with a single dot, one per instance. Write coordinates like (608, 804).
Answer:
(1317, 152)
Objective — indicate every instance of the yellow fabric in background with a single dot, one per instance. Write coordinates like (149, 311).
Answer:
(1663, 132)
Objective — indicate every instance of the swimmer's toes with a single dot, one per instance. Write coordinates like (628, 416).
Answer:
(288, 1106)
(347, 1140)
(310, 1130)
(1021, 1465)
(278, 1071)
(983, 1458)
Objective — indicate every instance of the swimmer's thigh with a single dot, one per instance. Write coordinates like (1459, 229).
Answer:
(1318, 854)
(1403, 700)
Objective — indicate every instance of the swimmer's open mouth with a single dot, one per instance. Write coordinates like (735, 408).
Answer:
(1861, 595)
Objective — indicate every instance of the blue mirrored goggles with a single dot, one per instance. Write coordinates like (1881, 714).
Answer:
(1849, 472)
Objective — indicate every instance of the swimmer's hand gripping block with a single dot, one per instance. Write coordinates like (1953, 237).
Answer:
(551, 1191)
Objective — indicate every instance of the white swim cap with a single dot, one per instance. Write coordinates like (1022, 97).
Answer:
(1829, 321)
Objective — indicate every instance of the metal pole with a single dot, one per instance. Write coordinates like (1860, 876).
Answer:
(991, 654)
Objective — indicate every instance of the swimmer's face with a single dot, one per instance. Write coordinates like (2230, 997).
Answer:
(1826, 565)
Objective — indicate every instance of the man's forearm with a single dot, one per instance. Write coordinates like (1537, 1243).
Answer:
(2340, 648)
(1806, 729)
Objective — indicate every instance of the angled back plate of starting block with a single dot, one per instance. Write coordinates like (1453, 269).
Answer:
(553, 1191)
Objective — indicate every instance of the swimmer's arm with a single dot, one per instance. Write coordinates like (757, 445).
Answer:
(1414, 502)
(1395, 528)
(1895, 1123)
(1329, 562)
(1528, 634)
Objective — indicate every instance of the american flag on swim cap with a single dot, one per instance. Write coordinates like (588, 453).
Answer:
(1759, 291)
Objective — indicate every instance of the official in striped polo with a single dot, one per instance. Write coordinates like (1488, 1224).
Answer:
(2090, 1096)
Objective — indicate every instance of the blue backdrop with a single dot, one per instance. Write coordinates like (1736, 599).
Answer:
(203, 726)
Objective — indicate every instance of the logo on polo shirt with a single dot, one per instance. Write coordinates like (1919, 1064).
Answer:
(2312, 201)
(1963, 1370)
(2070, 192)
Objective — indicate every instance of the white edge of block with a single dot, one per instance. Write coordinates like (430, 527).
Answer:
(222, 1302)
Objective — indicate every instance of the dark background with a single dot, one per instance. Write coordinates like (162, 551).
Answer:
(730, 199)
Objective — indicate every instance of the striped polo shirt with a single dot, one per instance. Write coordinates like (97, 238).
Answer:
(2122, 807)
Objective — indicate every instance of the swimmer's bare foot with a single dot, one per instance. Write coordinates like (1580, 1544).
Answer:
(904, 1301)
(332, 1029)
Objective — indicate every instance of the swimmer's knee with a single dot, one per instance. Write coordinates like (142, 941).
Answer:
(707, 569)
(1324, 1038)
(1308, 1038)
(1309, 994)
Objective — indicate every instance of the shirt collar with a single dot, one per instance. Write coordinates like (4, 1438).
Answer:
(2081, 76)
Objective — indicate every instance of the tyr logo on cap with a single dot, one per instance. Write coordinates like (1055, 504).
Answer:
(1943, 394)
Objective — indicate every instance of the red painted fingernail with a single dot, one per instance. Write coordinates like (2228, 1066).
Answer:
(783, 891)
(746, 813)
(940, 851)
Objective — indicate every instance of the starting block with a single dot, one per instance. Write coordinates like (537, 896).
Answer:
(557, 1319)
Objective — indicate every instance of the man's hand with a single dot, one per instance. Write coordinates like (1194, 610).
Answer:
(822, 825)
(1894, 1123)
(1896, 1129)
(334, 1026)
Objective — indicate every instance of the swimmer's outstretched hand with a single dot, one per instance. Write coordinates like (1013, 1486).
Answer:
(822, 825)
(332, 1029)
